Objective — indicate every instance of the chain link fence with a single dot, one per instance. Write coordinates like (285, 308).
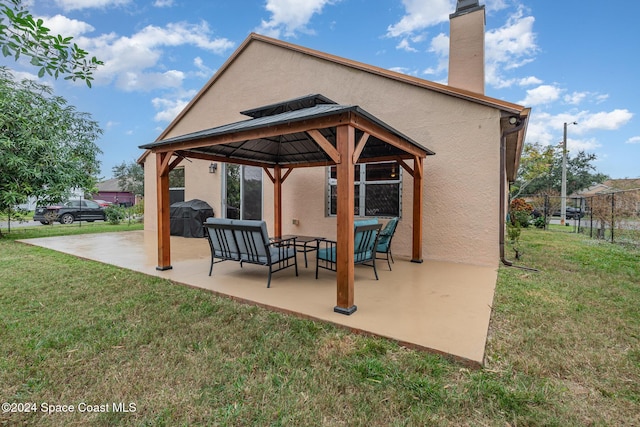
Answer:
(612, 216)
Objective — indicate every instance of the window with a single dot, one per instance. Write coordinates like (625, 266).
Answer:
(378, 189)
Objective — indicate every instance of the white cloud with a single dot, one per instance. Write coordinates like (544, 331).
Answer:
(575, 145)
(509, 47)
(404, 45)
(404, 70)
(132, 81)
(130, 61)
(575, 98)
(548, 129)
(290, 16)
(170, 108)
(25, 75)
(543, 94)
(68, 5)
(203, 70)
(529, 81)
(440, 46)
(633, 140)
(612, 120)
(420, 14)
(59, 24)
(163, 3)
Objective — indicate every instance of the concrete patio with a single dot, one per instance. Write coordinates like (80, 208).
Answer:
(441, 307)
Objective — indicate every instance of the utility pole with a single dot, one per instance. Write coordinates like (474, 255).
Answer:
(563, 194)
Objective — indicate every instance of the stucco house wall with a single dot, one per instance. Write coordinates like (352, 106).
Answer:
(461, 191)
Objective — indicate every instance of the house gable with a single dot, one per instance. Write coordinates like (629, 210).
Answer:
(464, 128)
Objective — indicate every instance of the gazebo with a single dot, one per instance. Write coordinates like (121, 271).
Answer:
(309, 131)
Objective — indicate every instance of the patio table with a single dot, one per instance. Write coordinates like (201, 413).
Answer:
(302, 243)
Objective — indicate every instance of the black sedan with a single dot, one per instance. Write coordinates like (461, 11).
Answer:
(571, 213)
(73, 210)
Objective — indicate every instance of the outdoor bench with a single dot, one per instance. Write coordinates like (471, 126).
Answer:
(248, 241)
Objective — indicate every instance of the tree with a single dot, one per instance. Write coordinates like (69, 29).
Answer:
(535, 162)
(47, 147)
(130, 177)
(55, 55)
(541, 171)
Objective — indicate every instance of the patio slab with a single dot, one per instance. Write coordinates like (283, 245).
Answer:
(442, 307)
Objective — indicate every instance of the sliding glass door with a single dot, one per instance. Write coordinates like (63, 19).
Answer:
(242, 192)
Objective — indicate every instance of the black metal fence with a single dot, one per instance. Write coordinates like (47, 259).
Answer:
(612, 216)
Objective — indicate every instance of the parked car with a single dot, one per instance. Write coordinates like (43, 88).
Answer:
(571, 213)
(103, 203)
(73, 210)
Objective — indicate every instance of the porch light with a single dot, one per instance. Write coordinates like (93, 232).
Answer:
(213, 167)
(393, 171)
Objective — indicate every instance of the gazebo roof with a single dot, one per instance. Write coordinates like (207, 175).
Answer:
(281, 134)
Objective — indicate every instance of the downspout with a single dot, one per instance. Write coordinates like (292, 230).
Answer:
(503, 179)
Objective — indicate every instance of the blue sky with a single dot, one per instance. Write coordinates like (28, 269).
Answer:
(567, 60)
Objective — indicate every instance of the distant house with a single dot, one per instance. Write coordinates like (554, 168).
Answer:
(111, 191)
(610, 186)
(623, 184)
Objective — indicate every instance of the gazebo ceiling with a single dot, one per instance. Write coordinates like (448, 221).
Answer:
(296, 132)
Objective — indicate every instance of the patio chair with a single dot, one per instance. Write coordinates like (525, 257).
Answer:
(384, 240)
(365, 240)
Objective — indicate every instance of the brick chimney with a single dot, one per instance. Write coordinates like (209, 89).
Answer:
(466, 46)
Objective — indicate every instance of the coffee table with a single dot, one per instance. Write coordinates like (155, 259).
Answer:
(302, 244)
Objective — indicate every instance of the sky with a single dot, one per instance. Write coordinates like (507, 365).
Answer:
(569, 61)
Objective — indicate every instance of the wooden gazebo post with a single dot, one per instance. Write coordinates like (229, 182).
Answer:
(164, 165)
(418, 172)
(164, 230)
(345, 145)
(277, 200)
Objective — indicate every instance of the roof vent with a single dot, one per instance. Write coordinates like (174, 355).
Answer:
(289, 105)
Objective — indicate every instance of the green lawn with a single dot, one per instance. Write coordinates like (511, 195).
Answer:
(563, 349)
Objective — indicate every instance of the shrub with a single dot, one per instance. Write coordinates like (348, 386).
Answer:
(115, 214)
(539, 222)
(520, 212)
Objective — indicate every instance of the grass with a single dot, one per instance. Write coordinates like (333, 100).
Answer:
(563, 349)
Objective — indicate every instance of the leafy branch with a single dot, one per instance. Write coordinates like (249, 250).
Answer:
(54, 55)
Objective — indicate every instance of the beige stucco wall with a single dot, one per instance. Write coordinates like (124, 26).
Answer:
(461, 191)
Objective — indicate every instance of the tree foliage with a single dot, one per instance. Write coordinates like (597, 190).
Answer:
(22, 35)
(47, 147)
(541, 171)
(130, 177)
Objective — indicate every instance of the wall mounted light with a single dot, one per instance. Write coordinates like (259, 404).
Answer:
(213, 167)
(513, 120)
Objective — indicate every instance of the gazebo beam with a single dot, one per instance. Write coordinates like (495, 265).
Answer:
(361, 143)
(324, 144)
(345, 245)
